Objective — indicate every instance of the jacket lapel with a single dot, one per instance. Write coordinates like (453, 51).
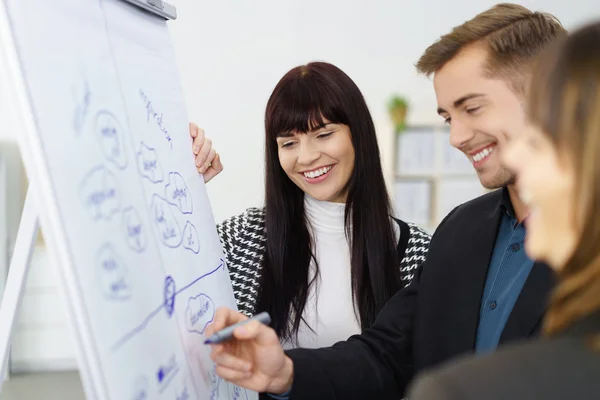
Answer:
(530, 307)
(475, 271)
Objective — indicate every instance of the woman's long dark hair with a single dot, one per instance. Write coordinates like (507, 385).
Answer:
(301, 100)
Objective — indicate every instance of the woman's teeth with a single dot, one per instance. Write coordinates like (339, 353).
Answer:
(317, 173)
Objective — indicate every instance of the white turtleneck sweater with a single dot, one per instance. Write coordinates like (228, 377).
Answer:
(329, 310)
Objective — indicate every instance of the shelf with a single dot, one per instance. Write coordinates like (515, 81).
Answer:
(430, 177)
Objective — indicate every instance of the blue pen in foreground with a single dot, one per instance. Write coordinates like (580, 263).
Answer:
(227, 333)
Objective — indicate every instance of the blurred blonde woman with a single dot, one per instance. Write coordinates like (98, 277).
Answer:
(557, 163)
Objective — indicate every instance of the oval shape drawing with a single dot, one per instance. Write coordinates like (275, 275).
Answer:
(114, 277)
(111, 138)
(100, 194)
(177, 193)
(148, 164)
(135, 232)
(199, 313)
(168, 228)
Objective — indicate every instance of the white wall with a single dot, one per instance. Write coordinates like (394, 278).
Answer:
(231, 54)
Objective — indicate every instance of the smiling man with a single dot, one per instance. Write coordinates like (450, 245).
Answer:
(481, 72)
(477, 288)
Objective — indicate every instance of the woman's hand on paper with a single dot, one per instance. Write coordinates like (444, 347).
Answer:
(254, 358)
(207, 159)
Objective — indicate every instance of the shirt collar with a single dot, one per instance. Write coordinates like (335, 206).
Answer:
(506, 204)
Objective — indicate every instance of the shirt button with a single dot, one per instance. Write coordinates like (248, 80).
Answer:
(493, 305)
(515, 247)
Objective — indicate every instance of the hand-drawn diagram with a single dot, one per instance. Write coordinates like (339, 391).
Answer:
(81, 97)
(199, 313)
(148, 164)
(134, 230)
(100, 194)
(114, 277)
(169, 230)
(177, 193)
(235, 392)
(183, 394)
(215, 381)
(140, 389)
(168, 303)
(170, 294)
(191, 240)
(158, 118)
(111, 138)
(166, 372)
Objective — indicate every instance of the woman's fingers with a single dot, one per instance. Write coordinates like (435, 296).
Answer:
(193, 129)
(206, 156)
(199, 140)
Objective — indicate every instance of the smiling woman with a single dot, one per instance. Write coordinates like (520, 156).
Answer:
(325, 254)
(320, 162)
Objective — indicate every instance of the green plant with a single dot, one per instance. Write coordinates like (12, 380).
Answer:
(398, 101)
(398, 108)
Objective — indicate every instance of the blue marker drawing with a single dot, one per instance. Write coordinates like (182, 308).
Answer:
(199, 313)
(177, 193)
(140, 389)
(158, 118)
(166, 296)
(99, 193)
(169, 230)
(170, 294)
(135, 233)
(237, 393)
(82, 104)
(165, 373)
(184, 395)
(191, 240)
(148, 164)
(114, 277)
(215, 381)
(111, 138)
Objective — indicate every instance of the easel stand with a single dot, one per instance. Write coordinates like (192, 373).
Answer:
(28, 230)
(17, 276)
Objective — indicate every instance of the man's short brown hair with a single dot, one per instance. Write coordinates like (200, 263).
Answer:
(513, 35)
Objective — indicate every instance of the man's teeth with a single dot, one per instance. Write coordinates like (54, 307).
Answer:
(483, 154)
(317, 173)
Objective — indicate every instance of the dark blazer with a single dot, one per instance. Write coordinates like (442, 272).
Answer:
(432, 320)
(564, 367)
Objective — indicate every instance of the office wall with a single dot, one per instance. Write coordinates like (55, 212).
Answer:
(230, 55)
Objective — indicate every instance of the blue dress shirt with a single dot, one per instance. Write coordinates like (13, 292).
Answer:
(508, 270)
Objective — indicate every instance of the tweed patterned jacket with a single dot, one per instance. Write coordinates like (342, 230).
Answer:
(244, 238)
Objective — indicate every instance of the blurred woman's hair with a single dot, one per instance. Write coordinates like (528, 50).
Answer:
(564, 101)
